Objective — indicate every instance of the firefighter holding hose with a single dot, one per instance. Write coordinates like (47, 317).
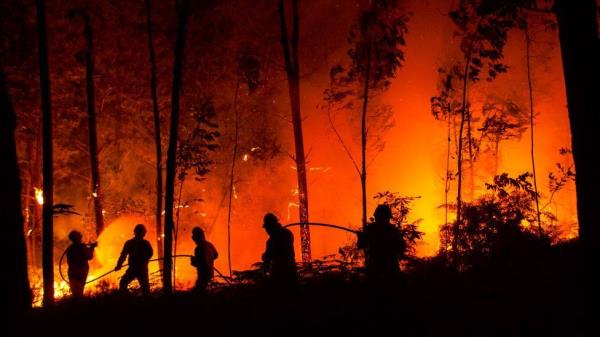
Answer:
(139, 251)
(204, 258)
(279, 258)
(78, 255)
(383, 245)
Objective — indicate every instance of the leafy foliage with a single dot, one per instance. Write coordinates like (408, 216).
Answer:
(377, 42)
(63, 209)
(504, 119)
(483, 26)
(446, 103)
(560, 178)
(199, 140)
(498, 227)
(565, 173)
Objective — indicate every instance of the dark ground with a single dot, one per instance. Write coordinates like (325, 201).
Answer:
(545, 299)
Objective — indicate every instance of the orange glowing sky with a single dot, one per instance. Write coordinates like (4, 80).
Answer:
(413, 161)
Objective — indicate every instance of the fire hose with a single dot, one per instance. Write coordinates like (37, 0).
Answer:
(125, 265)
(320, 224)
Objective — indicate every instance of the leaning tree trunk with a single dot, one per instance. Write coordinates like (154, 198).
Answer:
(531, 129)
(182, 13)
(15, 293)
(232, 172)
(92, 134)
(578, 34)
(290, 55)
(157, 139)
(47, 220)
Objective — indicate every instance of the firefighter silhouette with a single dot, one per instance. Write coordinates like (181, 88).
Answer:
(78, 255)
(139, 251)
(279, 258)
(204, 258)
(383, 245)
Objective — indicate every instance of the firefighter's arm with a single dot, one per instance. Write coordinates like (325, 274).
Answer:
(266, 257)
(150, 251)
(122, 257)
(90, 250)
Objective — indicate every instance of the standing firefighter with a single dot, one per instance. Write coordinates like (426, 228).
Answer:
(139, 252)
(383, 245)
(204, 258)
(78, 255)
(279, 258)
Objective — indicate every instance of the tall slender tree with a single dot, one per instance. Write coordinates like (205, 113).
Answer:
(47, 169)
(446, 106)
(375, 57)
(236, 133)
(15, 294)
(157, 138)
(292, 67)
(483, 27)
(182, 16)
(91, 111)
(248, 70)
(532, 125)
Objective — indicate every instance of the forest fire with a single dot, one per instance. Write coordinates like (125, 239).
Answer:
(412, 170)
(205, 148)
(39, 195)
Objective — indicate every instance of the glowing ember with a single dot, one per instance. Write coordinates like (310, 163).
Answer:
(39, 195)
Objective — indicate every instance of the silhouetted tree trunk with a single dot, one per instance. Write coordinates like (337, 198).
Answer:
(578, 33)
(28, 196)
(16, 295)
(290, 55)
(531, 128)
(157, 139)
(447, 180)
(182, 13)
(471, 156)
(232, 172)
(92, 135)
(459, 161)
(363, 139)
(47, 170)
(36, 170)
